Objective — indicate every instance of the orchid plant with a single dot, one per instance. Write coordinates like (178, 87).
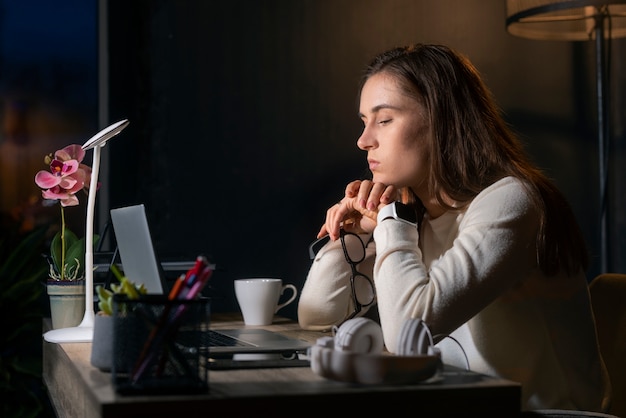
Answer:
(66, 177)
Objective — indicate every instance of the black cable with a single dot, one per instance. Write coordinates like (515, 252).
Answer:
(467, 364)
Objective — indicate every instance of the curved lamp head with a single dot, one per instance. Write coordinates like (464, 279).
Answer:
(565, 20)
(101, 138)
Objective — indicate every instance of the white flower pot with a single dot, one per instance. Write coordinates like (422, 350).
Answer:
(67, 302)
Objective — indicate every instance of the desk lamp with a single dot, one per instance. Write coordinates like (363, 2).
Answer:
(84, 331)
(578, 20)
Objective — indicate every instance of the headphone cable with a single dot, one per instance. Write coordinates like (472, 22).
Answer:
(467, 365)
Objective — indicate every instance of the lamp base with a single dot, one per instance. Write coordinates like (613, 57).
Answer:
(79, 334)
(83, 333)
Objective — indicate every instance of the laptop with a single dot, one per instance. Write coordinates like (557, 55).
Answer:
(135, 247)
(226, 342)
(140, 264)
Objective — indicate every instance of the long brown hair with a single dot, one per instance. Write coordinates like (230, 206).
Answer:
(472, 146)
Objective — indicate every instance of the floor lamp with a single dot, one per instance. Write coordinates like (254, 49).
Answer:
(83, 332)
(578, 20)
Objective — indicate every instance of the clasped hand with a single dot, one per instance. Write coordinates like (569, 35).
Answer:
(357, 210)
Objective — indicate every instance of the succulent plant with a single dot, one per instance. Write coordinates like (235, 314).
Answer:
(125, 287)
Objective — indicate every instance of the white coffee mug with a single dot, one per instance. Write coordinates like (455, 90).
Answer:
(258, 298)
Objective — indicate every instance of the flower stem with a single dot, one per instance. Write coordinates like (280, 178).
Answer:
(62, 244)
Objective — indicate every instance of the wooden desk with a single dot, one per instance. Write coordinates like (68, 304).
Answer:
(77, 389)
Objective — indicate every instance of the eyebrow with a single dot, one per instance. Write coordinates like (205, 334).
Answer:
(379, 107)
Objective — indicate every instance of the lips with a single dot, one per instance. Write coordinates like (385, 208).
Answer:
(373, 164)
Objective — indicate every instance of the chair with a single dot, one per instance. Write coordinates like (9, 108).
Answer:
(608, 299)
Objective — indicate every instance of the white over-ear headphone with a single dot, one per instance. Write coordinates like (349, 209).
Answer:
(360, 335)
(356, 354)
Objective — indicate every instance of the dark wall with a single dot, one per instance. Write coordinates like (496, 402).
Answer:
(243, 116)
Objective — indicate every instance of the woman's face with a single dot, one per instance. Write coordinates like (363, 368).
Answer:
(395, 135)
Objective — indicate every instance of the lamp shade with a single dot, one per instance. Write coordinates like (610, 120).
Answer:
(565, 20)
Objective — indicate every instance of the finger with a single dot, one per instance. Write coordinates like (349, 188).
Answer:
(334, 217)
(322, 232)
(364, 192)
(352, 189)
(345, 213)
(327, 228)
(372, 214)
(373, 199)
(390, 194)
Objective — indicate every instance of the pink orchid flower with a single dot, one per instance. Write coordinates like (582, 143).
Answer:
(67, 176)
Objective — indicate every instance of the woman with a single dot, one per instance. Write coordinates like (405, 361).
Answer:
(496, 260)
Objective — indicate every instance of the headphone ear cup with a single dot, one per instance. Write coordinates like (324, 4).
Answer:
(359, 335)
(414, 338)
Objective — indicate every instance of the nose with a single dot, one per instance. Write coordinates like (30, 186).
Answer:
(365, 141)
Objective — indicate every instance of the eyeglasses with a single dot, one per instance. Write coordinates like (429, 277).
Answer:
(361, 286)
(363, 290)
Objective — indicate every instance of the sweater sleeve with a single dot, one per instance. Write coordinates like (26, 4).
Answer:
(493, 249)
(326, 297)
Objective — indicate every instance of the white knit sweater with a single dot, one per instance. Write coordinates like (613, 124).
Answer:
(473, 275)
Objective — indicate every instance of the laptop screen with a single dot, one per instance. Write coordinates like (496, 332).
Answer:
(134, 242)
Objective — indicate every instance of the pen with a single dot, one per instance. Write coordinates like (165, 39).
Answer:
(204, 277)
(175, 293)
(178, 285)
(193, 292)
(201, 261)
(198, 275)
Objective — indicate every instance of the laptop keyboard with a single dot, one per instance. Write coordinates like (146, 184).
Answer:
(217, 339)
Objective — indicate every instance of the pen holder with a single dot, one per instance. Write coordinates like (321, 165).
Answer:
(158, 345)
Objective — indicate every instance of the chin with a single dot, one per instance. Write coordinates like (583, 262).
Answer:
(384, 180)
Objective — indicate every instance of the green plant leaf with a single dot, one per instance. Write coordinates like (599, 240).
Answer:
(125, 287)
(105, 300)
(74, 253)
